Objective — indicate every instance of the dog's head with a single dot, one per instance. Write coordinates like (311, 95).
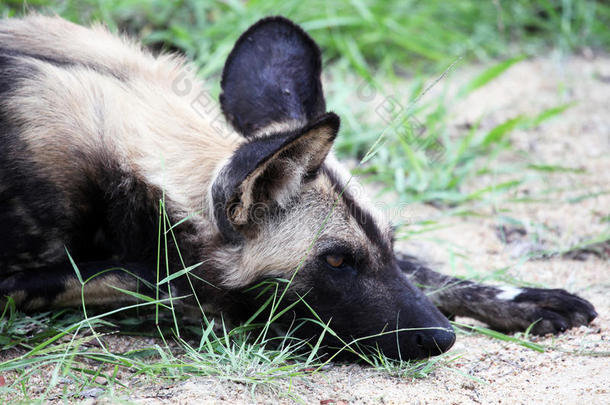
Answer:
(286, 209)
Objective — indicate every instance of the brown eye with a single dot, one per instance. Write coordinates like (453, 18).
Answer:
(334, 260)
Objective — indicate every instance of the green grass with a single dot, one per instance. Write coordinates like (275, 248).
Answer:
(373, 43)
(391, 36)
(70, 352)
(232, 355)
(367, 44)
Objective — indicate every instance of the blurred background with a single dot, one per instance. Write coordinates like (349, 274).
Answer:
(393, 37)
(380, 58)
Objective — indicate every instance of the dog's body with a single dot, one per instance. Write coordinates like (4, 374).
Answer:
(104, 161)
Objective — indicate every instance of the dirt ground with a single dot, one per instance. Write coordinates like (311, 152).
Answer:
(486, 370)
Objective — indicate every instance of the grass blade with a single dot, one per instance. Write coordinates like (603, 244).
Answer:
(488, 75)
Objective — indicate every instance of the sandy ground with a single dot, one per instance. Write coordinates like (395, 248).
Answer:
(487, 370)
(484, 370)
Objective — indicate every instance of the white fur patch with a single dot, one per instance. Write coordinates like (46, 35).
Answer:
(509, 293)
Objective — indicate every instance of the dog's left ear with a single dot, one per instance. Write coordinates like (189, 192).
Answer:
(272, 76)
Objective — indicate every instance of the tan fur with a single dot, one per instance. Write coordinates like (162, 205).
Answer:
(281, 247)
(171, 144)
(54, 37)
(277, 127)
(98, 291)
(18, 297)
(160, 147)
(36, 303)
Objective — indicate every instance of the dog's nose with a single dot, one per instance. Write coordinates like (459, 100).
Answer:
(433, 342)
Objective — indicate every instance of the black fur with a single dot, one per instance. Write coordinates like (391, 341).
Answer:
(49, 282)
(550, 310)
(272, 75)
(257, 152)
(381, 296)
(20, 183)
(106, 216)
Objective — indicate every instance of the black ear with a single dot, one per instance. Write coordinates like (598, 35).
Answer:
(272, 75)
(266, 173)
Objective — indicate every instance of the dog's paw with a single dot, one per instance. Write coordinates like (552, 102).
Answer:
(551, 310)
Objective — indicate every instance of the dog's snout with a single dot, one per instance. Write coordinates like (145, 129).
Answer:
(432, 342)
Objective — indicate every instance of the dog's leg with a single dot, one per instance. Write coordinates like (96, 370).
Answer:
(507, 309)
(59, 286)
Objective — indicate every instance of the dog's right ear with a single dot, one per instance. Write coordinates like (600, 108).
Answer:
(265, 173)
(271, 77)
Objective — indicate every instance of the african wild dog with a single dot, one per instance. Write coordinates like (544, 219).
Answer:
(96, 140)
